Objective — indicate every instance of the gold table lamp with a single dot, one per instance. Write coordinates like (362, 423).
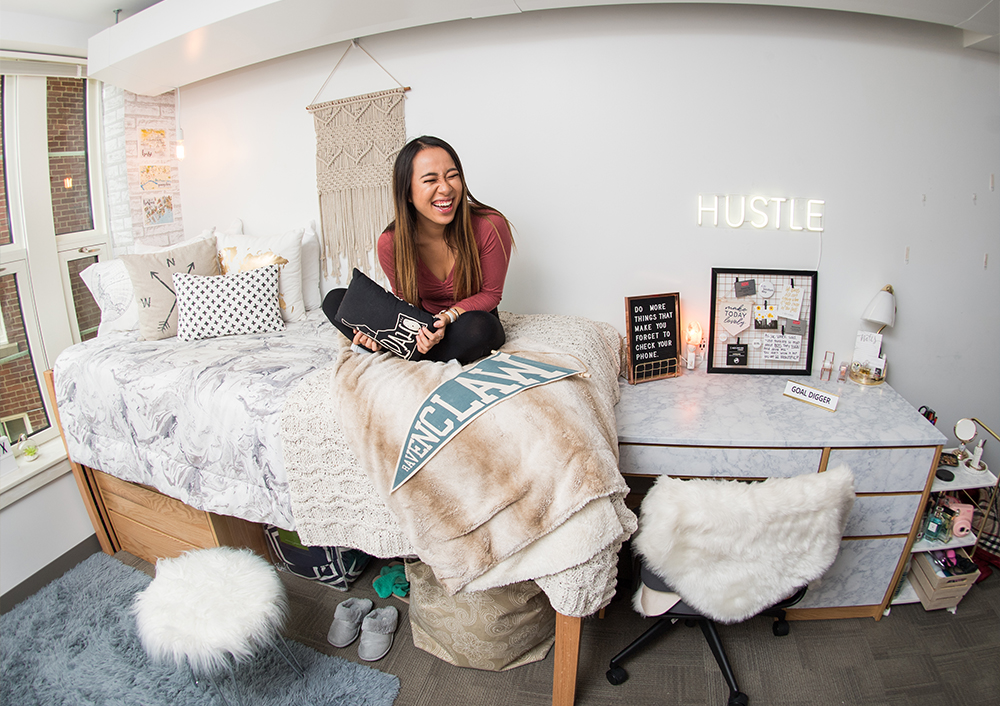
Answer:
(881, 310)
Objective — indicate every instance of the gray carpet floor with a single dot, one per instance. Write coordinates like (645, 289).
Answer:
(911, 657)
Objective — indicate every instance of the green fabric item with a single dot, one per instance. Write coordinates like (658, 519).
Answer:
(290, 537)
(392, 579)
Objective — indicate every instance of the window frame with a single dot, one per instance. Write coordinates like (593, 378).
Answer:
(36, 253)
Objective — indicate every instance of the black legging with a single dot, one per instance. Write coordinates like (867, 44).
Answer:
(474, 335)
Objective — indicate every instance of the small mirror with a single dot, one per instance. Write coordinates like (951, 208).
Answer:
(965, 430)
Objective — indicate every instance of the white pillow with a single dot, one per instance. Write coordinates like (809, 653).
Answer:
(230, 305)
(311, 294)
(111, 286)
(140, 248)
(240, 253)
(109, 283)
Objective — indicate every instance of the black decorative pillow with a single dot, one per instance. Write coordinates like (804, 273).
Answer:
(382, 315)
(227, 305)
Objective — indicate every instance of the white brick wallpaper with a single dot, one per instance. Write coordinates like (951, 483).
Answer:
(142, 174)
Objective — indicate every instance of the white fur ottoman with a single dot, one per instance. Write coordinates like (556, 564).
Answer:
(212, 608)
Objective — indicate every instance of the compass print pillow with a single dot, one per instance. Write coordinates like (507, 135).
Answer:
(152, 279)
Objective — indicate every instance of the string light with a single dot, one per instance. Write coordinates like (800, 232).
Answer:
(179, 142)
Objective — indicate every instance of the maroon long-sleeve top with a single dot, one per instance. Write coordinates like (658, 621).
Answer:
(494, 241)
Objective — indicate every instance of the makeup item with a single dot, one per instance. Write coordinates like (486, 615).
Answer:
(944, 474)
(977, 456)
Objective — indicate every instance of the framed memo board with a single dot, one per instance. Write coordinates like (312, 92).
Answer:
(762, 321)
(653, 324)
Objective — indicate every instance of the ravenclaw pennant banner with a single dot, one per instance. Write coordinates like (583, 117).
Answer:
(455, 403)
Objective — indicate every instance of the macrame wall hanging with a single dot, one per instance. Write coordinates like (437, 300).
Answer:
(357, 140)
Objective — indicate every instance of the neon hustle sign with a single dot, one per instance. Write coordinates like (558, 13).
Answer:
(761, 212)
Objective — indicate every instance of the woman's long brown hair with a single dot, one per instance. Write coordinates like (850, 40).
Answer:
(458, 235)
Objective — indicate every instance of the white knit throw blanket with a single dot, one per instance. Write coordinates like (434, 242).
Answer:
(337, 502)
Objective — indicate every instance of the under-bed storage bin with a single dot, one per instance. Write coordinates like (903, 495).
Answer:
(157, 524)
(151, 525)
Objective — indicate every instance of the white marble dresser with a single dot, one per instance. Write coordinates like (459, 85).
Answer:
(742, 426)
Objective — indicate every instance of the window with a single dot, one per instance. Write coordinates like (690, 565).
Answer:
(52, 227)
(22, 409)
(4, 210)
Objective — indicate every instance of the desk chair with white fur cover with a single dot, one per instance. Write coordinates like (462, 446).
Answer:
(213, 609)
(714, 550)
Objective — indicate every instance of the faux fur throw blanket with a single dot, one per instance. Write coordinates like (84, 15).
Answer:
(529, 490)
(732, 549)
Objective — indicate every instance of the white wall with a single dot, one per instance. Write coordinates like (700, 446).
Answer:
(39, 528)
(594, 130)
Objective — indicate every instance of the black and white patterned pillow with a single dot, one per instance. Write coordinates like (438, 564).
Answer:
(383, 316)
(227, 305)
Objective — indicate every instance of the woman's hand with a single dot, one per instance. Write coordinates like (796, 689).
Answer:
(430, 336)
(361, 339)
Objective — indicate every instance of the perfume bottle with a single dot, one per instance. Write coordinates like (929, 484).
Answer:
(938, 525)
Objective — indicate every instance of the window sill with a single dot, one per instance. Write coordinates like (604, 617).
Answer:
(52, 463)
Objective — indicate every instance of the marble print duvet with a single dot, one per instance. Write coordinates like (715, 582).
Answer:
(199, 421)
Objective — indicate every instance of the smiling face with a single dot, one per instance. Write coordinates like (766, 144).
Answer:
(435, 188)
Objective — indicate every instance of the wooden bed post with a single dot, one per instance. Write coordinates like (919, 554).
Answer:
(148, 524)
(91, 499)
(566, 659)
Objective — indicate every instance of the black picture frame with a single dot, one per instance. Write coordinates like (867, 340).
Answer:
(653, 326)
(767, 345)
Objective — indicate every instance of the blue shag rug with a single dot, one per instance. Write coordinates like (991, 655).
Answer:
(74, 643)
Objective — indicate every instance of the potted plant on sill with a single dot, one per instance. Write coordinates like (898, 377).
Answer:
(27, 448)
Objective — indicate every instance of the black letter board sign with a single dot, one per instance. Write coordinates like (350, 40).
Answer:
(653, 324)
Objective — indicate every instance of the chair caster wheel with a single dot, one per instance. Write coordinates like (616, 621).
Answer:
(779, 628)
(617, 675)
(738, 699)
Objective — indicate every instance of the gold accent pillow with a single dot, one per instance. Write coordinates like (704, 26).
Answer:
(240, 253)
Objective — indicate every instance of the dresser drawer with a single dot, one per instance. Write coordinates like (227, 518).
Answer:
(859, 577)
(162, 514)
(710, 462)
(874, 515)
(886, 470)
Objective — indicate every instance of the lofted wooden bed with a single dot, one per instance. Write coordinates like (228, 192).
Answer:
(151, 523)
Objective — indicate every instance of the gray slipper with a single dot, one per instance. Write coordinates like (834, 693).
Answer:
(376, 633)
(347, 621)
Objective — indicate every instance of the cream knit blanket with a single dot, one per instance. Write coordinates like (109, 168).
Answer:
(560, 526)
